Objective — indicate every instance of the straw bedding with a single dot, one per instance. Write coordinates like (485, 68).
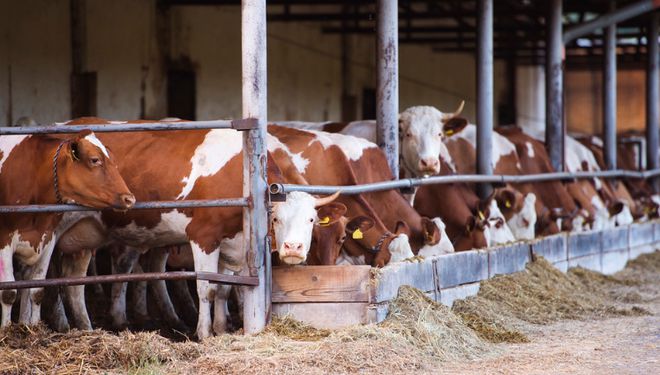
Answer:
(417, 335)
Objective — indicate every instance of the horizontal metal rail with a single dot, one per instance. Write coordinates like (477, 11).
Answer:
(193, 203)
(122, 278)
(243, 124)
(496, 179)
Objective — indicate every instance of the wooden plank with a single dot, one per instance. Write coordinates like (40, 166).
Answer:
(321, 284)
(328, 315)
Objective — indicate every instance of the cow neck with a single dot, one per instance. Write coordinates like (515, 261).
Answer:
(56, 188)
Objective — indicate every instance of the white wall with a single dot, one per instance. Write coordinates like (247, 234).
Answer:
(36, 49)
(304, 65)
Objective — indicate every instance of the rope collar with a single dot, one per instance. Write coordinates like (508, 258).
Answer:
(379, 244)
(56, 186)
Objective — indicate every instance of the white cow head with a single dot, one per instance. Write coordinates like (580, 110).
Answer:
(497, 232)
(443, 246)
(422, 130)
(292, 223)
(520, 210)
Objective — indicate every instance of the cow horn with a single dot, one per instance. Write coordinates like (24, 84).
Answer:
(323, 201)
(458, 111)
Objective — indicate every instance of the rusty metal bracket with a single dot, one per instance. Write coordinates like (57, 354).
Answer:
(245, 124)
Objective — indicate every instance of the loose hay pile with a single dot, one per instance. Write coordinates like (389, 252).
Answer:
(415, 336)
(541, 295)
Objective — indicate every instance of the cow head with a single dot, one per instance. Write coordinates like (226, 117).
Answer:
(87, 174)
(519, 212)
(330, 233)
(421, 131)
(292, 223)
(497, 231)
(379, 245)
(436, 240)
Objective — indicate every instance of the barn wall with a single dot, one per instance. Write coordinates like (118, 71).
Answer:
(36, 60)
(583, 99)
(127, 45)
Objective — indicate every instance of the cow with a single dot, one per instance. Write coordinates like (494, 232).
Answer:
(422, 131)
(604, 214)
(337, 159)
(76, 169)
(561, 211)
(199, 164)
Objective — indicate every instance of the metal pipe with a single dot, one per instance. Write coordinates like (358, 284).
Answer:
(485, 94)
(554, 87)
(387, 113)
(609, 96)
(493, 179)
(111, 128)
(129, 277)
(652, 98)
(256, 309)
(611, 18)
(193, 203)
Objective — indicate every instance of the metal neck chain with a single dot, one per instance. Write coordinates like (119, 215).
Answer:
(379, 244)
(56, 185)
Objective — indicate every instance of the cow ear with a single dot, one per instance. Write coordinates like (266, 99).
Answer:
(362, 223)
(432, 234)
(454, 125)
(331, 212)
(506, 199)
(74, 149)
(615, 208)
(402, 228)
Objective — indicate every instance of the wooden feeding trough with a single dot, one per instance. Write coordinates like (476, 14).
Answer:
(339, 296)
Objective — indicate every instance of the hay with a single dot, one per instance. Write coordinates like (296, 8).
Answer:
(541, 295)
(38, 350)
(286, 326)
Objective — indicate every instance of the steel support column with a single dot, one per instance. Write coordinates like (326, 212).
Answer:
(609, 96)
(652, 98)
(554, 90)
(485, 93)
(387, 113)
(256, 309)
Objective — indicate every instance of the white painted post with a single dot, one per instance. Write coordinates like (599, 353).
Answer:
(256, 309)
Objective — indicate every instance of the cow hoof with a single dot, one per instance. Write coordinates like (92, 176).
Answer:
(119, 326)
(179, 326)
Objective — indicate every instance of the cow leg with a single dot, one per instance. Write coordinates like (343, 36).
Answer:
(7, 297)
(56, 317)
(220, 305)
(139, 300)
(206, 291)
(91, 271)
(157, 261)
(121, 262)
(75, 265)
(31, 314)
(184, 301)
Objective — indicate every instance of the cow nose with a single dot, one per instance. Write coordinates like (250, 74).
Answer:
(429, 163)
(293, 247)
(127, 200)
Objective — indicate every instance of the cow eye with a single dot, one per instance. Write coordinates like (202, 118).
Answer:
(408, 135)
(274, 220)
(341, 240)
(311, 220)
(95, 161)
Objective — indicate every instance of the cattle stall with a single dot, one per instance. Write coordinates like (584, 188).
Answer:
(364, 291)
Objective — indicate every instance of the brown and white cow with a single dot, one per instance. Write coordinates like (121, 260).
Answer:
(204, 164)
(337, 159)
(77, 169)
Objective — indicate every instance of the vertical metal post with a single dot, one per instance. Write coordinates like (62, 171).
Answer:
(256, 309)
(609, 95)
(485, 93)
(652, 98)
(387, 114)
(554, 87)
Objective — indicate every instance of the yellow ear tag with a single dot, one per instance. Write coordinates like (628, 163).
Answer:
(449, 132)
(507, 204)
(481, 215)
(357, 235)
(324, 221)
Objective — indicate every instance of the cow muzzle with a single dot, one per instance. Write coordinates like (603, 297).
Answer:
(125, 201)
(429, 166)
(292, 253)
